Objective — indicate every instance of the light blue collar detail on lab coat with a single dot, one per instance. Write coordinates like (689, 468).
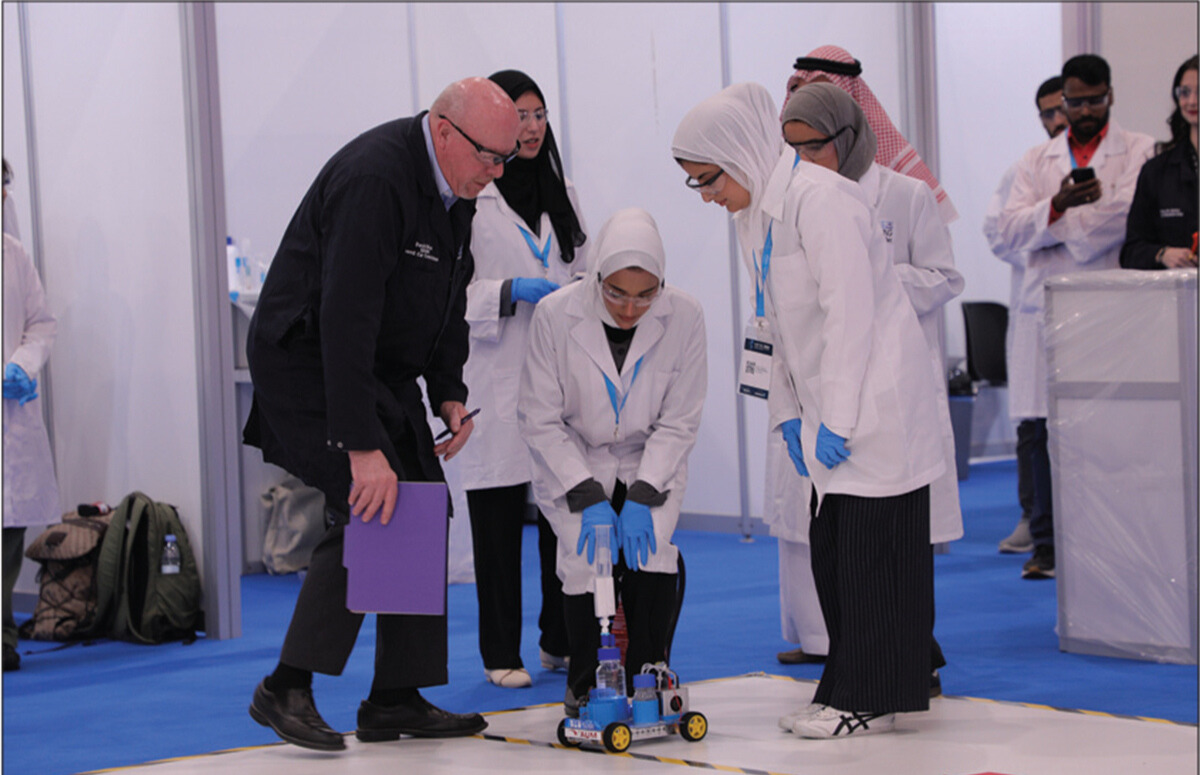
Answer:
(443, 186)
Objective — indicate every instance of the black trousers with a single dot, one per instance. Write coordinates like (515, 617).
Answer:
(497, 525)
(873, 568)
(1033, 448)
(649, 600)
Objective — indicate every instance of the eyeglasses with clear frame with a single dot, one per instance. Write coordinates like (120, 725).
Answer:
(1049, 113)
(710, 186)
(538, 116)
(1095, 101)
(620, 298)
(1184, 92)
(486, 155)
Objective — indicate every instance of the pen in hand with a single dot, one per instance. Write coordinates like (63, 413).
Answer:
(466, 417)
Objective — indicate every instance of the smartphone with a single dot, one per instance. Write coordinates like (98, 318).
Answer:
(1082, 174)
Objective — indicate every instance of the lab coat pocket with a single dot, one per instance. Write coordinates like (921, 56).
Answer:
(504, 384)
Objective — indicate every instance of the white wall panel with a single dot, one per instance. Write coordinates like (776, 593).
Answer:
(460, 40)
(298, 81)
(117, 255)
(15, 145)
(633, 71)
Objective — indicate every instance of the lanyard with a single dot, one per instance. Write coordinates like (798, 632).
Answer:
(760, 276)
(612, 393)
(541, 254)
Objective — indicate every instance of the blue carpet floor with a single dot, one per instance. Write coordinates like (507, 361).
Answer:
(113, 704)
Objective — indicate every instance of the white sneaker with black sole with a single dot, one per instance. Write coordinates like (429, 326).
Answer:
(831, 722)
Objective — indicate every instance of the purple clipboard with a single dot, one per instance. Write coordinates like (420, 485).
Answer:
(400, 567)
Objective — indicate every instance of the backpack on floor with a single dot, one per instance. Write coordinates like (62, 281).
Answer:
(67, 591)
(135, 600)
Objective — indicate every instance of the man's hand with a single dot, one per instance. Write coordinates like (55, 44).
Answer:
(452, 413)
(1072, 194)
(372, 485)
(1177, 258)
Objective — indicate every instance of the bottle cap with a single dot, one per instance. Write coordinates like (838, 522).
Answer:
(608, 639)
(644, 681)
(609, 653)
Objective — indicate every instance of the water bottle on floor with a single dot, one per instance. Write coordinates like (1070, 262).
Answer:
(170, 555)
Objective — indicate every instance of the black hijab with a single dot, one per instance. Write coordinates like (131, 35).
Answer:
(534, 186)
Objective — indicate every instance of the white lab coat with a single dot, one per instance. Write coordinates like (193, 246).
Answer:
(1085, 238)
(497, 455)
(849, 352)
(918, 244)
(567, 419)
(30, 488)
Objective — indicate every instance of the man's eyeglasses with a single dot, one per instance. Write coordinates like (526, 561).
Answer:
(810, 147)
(539, 115)
(7, 181)
(1049, 113)
(620, 298)
(486, 155)
(1184, 92)
(709, 186)
(1095, 101)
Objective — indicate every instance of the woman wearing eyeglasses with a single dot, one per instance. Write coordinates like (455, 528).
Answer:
(827, 127)
(611, 394)
(1162, 225)
(527, 239)
(852, 389)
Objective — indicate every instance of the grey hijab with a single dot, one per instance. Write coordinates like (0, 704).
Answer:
(828, 109)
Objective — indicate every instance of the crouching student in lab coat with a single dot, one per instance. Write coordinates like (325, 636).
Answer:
(611, 394)
(852, 387)
(827, 127)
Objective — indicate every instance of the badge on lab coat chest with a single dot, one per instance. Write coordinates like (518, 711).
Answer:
(754, 376)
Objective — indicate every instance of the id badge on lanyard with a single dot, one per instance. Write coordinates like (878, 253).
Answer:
(758, 346)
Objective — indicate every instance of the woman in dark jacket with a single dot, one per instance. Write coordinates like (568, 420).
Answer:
(1161, 231)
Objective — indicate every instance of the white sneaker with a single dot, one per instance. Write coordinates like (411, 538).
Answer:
(551, 662)
(831, 722)
(510, 678)
(787, 722)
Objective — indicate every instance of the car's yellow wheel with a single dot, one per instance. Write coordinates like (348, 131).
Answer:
(617, 737)
(693, 727)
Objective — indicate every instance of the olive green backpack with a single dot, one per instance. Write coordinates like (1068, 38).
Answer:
(135, 601)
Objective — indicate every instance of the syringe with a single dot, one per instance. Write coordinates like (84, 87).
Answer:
(605, 595)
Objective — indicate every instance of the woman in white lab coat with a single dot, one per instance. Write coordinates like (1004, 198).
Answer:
(528, 239)
(30, 488)
(827, 127)
(611, 395)
(852, 388)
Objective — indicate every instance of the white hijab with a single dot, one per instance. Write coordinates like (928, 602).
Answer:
(629, 238)
(736, 129)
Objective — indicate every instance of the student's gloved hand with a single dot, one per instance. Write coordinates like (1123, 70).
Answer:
(791, 435)
(531, 289)
(593, 516)
(637, 534)
(18, 385)
(831, 448)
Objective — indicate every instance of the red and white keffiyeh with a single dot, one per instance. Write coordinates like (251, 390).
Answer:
(894, 151)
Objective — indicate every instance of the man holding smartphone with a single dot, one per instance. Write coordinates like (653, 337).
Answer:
(1066, 211)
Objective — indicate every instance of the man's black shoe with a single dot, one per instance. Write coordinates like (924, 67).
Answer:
(799, 657)
(417, 717)
(12, 660)
(293, 716)
(1041, 564)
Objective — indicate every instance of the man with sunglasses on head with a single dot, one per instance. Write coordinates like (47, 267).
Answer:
(1066, 213)
(366, 294)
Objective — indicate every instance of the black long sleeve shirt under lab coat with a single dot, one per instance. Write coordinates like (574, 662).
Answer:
(1164, 208)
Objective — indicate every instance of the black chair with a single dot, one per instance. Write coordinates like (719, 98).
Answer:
(986, 323)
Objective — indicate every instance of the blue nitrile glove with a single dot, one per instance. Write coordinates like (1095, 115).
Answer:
(18, 385)
(831, 448)
(597, 514)
(531, 289)
(791, 435)
(637, 534)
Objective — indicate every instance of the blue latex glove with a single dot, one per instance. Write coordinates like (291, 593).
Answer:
(531, 289)
(597, 514)
(791, 435)
(637, 534)
(831, 448)
(18, 385)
